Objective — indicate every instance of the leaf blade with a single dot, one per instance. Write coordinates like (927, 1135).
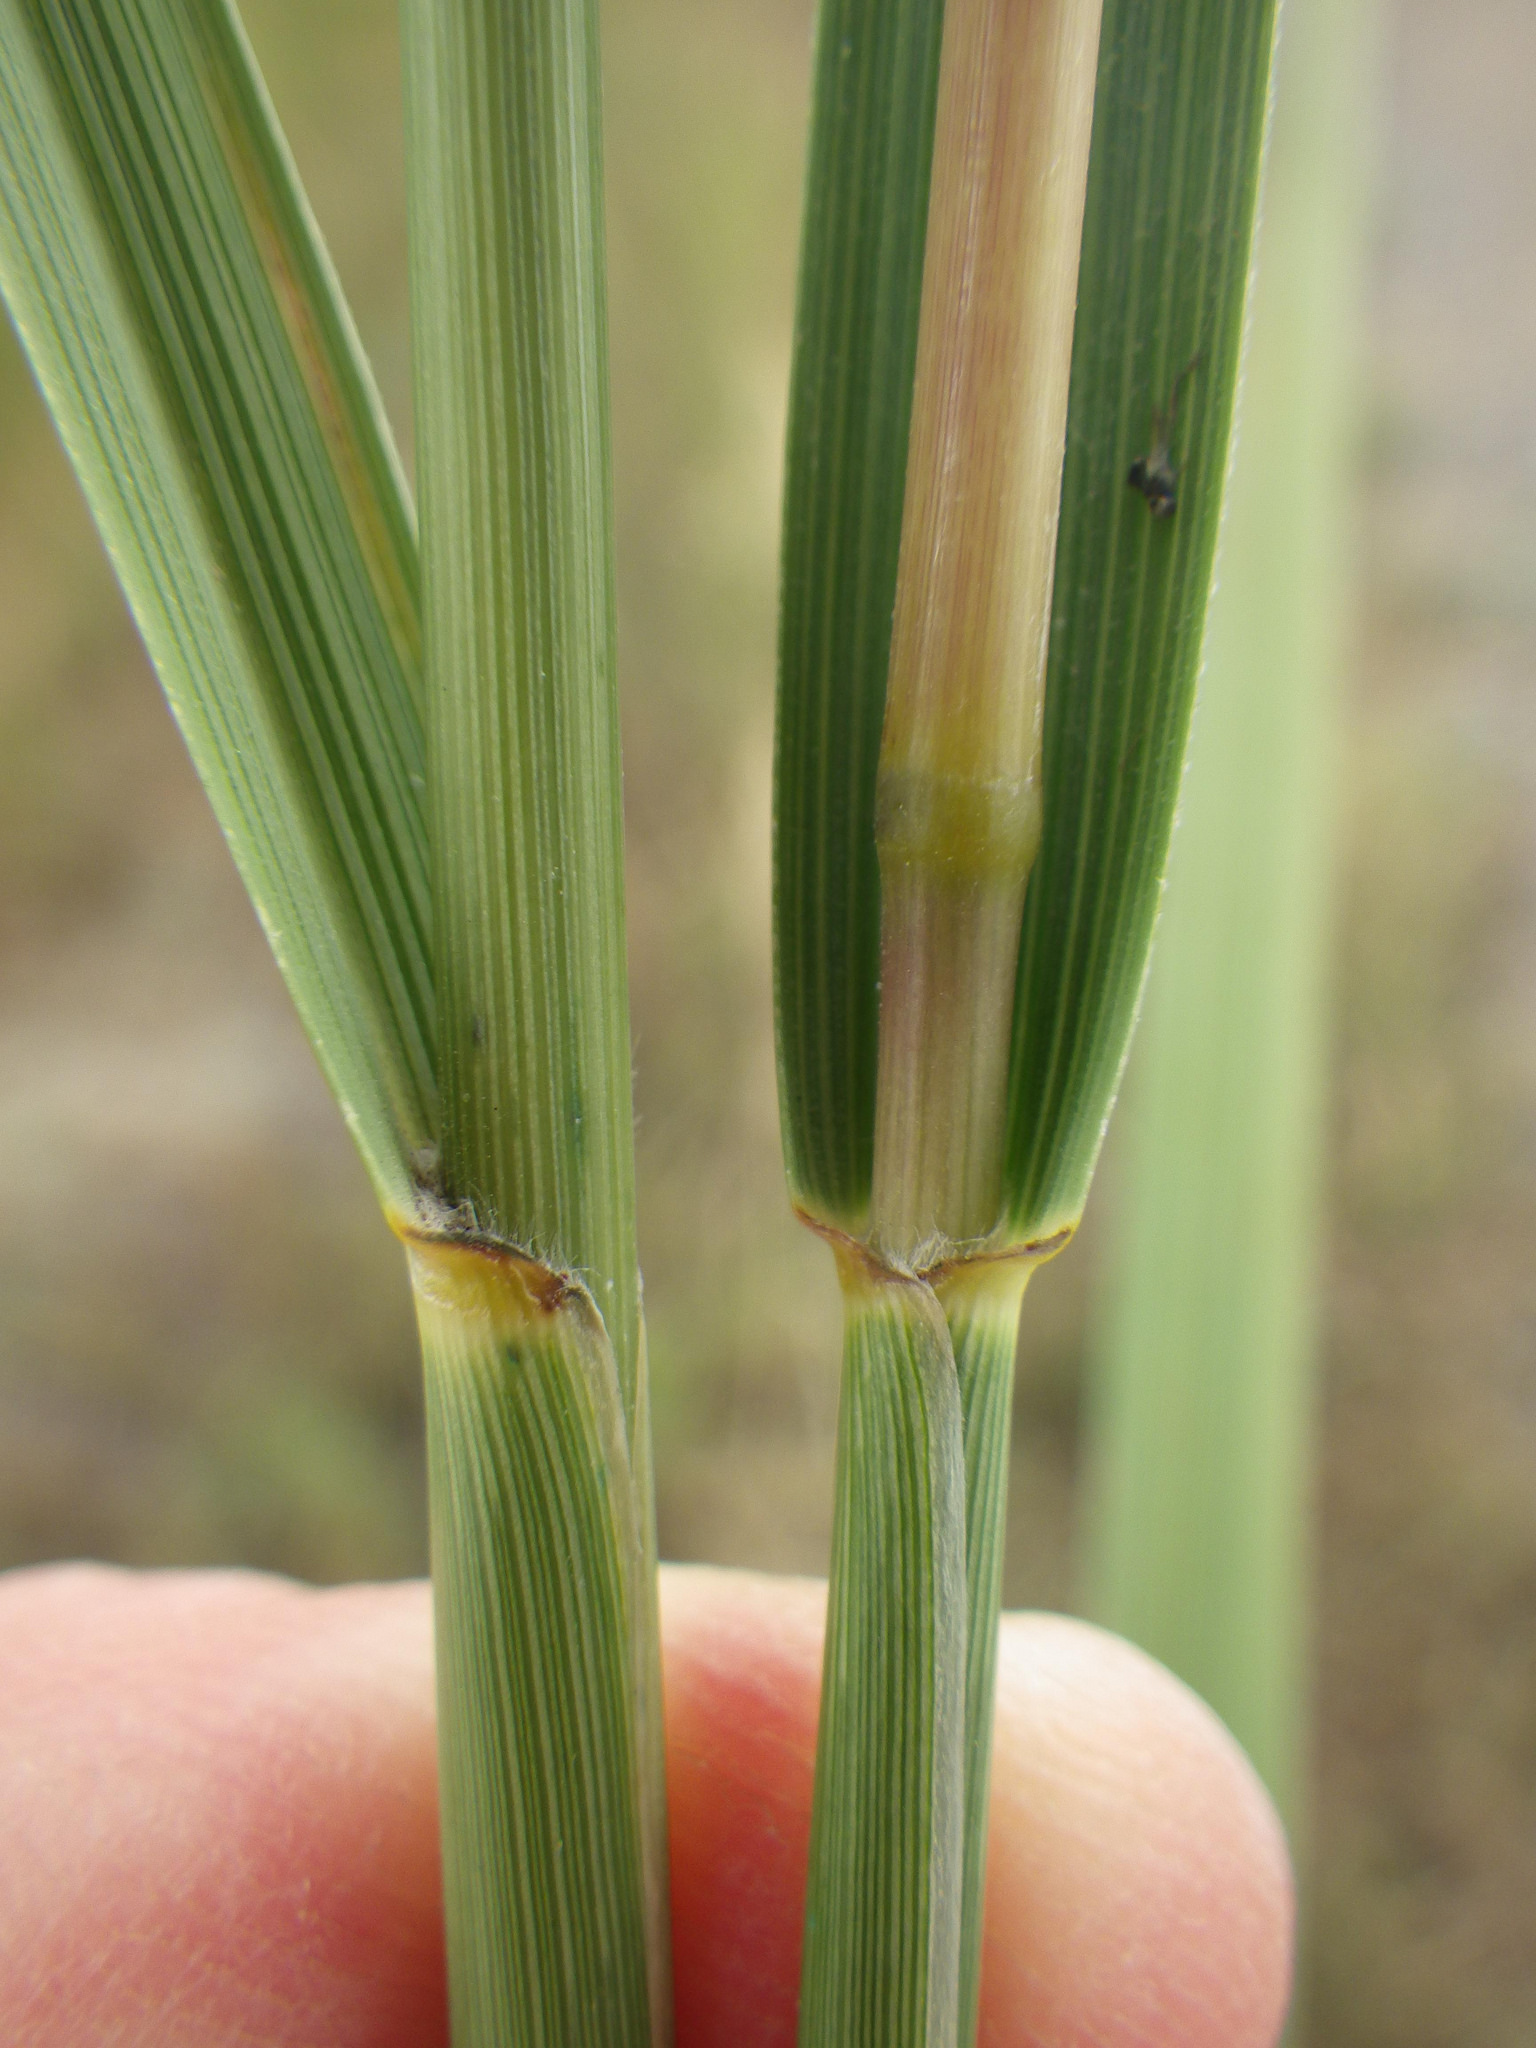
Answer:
(159, 292)
(1179, 124)
(1203, 1388)
(858, 302)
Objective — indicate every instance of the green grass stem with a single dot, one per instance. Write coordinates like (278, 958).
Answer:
(944, 1092)
(557, 1930)
(981, 1306)
(509, 333)
(883, 1902)
(541, 1566)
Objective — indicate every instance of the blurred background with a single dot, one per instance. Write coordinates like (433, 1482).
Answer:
(206, 1350)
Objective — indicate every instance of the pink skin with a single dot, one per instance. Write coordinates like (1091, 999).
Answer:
(218, 1824)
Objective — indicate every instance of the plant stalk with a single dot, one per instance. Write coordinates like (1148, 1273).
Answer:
(957, 802)
(883, 1900)
(540, 1567)
(508, 305)
(981, 1301)
(555, 1875)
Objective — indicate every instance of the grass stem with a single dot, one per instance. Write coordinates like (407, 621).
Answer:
(540, 1567)
(540, 1475)
(981, 1303)
(883, 1904)
(958, 805)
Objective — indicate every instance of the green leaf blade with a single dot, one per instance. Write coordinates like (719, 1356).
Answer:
(859, 297)
(183, 322)
(1173, 174)
(1200, 1450)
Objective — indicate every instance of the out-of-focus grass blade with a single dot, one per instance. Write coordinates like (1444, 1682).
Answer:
(860, 292)
(1178, 131)
(169, 286)
(1197, 1543)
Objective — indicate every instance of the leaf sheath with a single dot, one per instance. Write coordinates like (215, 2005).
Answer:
(508, 311)
(981, 1305)
(883, 1899)
(544, 1601)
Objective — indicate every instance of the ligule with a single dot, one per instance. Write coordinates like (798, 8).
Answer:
(545, 1617)
(883, 1900)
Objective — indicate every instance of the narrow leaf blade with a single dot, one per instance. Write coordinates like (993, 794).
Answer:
(1178, 134)
(1199, 1447)
(860, 293)
(181, 317)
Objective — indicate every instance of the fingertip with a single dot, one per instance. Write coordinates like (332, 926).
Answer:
(743, 1671)
(1138, 1889)
(220, 1798)
(1139, 1885)
(224, 1789)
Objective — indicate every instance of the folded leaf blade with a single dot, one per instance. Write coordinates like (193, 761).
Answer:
(183, 322)
(1178, 136)
(861, 277)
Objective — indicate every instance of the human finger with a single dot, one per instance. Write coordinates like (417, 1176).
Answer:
(1138, 1885)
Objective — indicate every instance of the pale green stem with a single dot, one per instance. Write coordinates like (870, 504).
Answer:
(508, 308)
(553, 1799)
(882, 1927)
(981, 1303)
(547, 1703)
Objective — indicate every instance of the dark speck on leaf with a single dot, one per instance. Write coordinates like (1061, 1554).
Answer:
(1153, 474)
(1156, 482)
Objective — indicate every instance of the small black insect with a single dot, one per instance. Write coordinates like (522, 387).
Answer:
(1153, 474)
